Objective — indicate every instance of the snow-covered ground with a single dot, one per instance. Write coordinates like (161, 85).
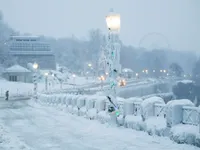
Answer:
(18, 88)
(42, 128)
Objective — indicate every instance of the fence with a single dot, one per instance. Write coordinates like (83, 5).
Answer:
(188, 115)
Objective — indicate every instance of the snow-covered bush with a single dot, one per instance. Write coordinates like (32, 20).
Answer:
(157, 126)
(103, 116)
(184, 134)
(174, 111)
(147, 106)
(90, 105)
(134, 122)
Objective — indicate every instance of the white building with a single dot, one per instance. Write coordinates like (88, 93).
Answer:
(29, 49)
(17, 73)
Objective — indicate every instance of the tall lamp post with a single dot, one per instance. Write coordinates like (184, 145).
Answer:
(35, 67)
(113, 56)
(46, 81)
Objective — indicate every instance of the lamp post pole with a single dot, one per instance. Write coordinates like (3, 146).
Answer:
(113, 61)
(46, 81)
(35, 67)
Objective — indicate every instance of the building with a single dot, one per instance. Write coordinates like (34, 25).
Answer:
(17, 73)
(30, 49)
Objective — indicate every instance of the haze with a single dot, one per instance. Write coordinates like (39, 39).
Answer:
(178, 20)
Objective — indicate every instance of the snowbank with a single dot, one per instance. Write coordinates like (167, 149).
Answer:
(147, 106)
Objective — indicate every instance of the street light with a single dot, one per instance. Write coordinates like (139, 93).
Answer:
(35, 67)
(146, 71)
(74, 76)
(46, 80)
(102, 78)
(136, 75)
(113, 59)
(89, 65)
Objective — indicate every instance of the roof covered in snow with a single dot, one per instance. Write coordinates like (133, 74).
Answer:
(127, 70)
(16, 68)
(185, 81)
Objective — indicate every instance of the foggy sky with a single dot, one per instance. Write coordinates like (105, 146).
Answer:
(178, 20)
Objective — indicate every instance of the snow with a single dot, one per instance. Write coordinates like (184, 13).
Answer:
(81, 102)
(134, 122)
(127, 70)
(185, 81)
(174, 111)
(184, 133)
(55, 129)
(16, 68)
(128, 107)
(147, 106)
(9, 141)
(100, 104)
(157, 126)
(19, 88)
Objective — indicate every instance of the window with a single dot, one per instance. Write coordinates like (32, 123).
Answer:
(13, 78)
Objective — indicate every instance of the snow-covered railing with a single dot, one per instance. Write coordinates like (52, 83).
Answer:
(151, 115)
(121, 107)
(159, 110)
(175, 112)
(137, 108)
(190, 115)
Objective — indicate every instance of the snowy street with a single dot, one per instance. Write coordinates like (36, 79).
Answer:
(46, 128)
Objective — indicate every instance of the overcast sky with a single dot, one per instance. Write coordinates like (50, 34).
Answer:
(178, 20)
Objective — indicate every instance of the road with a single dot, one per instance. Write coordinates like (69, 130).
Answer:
(46, 128)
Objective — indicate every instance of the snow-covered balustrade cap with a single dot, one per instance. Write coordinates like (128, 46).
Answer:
(89, 102)
(81, 101)
(74, 100)
(100, 103)
(135, 99)
(174, 111)
(128, 107)
(69, 99)
(147, 106)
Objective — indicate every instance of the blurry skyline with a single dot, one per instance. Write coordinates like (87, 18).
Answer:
(177, 20)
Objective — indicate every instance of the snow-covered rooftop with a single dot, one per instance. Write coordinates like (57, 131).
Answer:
(16, 68)
(127, 70)
(186, 81)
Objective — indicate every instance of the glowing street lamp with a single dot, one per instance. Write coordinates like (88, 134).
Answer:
(102, 78)
(137, 75)
(146, 71)
(90, 65)
(35, 66)
(113, 22)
